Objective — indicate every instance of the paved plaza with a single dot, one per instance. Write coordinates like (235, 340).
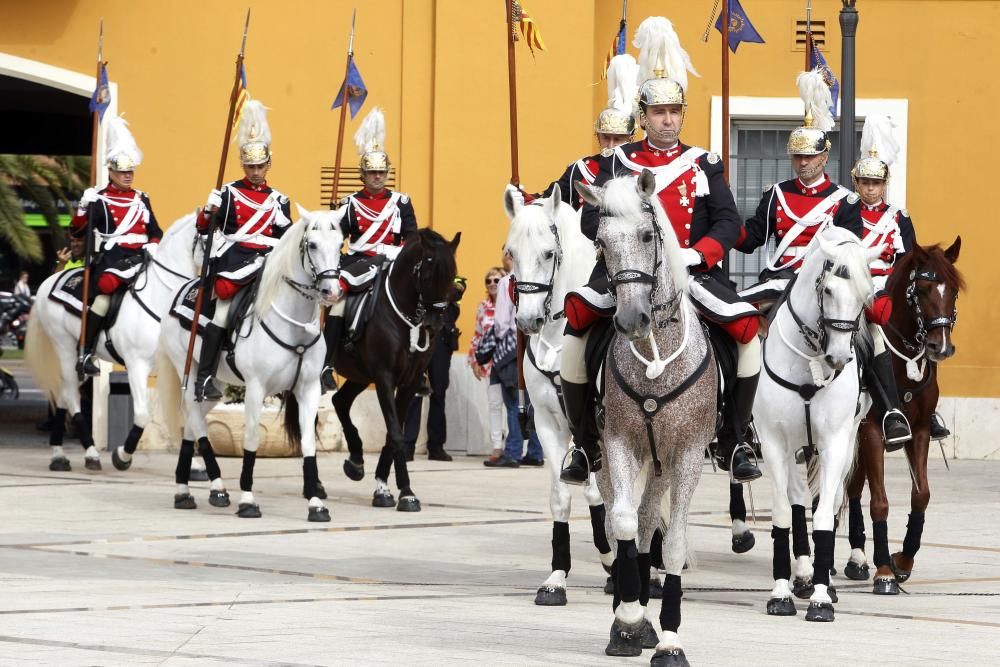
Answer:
(99, 569)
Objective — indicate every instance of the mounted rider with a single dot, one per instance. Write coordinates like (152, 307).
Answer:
(124, 226)
(376, 225)
(702, 212)
(250, 217)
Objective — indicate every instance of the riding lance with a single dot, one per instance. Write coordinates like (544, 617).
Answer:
(213, 223)
(343, 115)
(95, 137)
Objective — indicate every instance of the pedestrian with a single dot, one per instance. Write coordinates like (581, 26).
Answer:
(484, 321)
(21, 287)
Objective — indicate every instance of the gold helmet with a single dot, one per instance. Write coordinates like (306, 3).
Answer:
(878, 150)
(370, 140)
(663, 64)
(617, 117)
(123, 153)
(811, 137)
(254, 134)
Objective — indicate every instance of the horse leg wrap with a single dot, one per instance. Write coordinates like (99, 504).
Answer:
(132, 441)
(880, 536)
(616, 596)
(246, 475)
(800, 531)
(560, 546)
(354, 445)
(645, 565)
(82, 425)
(597, 514)
(670, 606)
(781, 566)
(182, 473)
(656, 550)
(856, 524)
(823, 561)
(208, 456)
(627, 580)
(310, 476)
(58, 427)
(914, 529)
(737, 508)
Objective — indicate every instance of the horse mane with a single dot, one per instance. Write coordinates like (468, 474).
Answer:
(442, 266)
(531, 226)
(849, 254)
(929, 257)
(280, 262)
(622, 199)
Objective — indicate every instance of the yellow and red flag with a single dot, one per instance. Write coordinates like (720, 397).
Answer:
(241, 96)
(528, 29)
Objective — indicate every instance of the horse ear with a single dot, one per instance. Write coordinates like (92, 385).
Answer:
(552, 204)
(591, 194)
(647, 183)
(952, 252)
(512, 205)
(455, 241)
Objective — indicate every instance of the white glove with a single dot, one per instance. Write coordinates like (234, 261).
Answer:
(214, 199)
(691, 257)
(516, 195)
(150, 249)
(390, 251)
(88, 197)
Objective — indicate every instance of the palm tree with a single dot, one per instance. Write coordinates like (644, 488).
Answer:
(44, 180)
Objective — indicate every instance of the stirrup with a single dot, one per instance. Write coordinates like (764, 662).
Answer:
(201, 390)
(751, 454)
(328, 380)
(939, 431)
(569, 457)
(893, 444)
(85, 366)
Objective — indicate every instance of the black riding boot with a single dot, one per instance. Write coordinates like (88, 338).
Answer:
(895, 428)
(208, 364)
(331, 334)
(579, 404)
(733, 447)
(939, 430)
(86, 367)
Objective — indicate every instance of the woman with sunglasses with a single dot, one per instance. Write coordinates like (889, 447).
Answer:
(484, 320)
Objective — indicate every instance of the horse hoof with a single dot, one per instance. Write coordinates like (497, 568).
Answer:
(198, 475)
(92, 464)
(383, 500)
(673, 657)
(551, 596)
(626, 642)
(248, 511)
(408, 504)
(60, 464)
(820, 612)
(354, 471)
(319, 514)
(655, 589)
(856, 572)
(781, 607)
(832, 592)
(118, 462)
(803, 588)
(885, 586)
(218, 498)
(744, 542)
(609, 586)
(184, 501)
(901, 574)
(649, 637)
(320, 490)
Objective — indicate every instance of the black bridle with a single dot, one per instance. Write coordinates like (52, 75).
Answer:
(818, 338)
(310, 290)
(924, 327)
(530, 288)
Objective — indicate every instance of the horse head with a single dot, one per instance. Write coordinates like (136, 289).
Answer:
(320, 252)
(427, 261)
(640, 250)
(182, 248)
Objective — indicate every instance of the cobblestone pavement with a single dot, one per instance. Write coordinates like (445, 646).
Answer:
(99, 569)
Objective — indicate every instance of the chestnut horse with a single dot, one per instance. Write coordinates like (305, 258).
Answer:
(924, 286)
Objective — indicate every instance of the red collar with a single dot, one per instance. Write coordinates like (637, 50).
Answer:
(382, 195)
(113, 189)
(666, 152)
(880, 206)
(247, 185)
(819, 186)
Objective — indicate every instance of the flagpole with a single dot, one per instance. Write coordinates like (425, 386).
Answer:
(343, 116)
(809, 36)
(725, 89)
(515, 178)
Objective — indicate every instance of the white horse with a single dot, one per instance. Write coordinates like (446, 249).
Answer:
(808, 395)
(53, 334)
(551, 257)
(660, 411)
(279, 349)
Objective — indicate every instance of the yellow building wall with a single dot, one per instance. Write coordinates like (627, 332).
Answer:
(438, 68)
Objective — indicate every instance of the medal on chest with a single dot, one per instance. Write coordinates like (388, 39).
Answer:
(683, 189)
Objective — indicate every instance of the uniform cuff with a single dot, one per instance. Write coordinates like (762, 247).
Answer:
(711, 250)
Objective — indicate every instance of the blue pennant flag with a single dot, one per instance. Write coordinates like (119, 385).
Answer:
(740, 28)
(819, 62)
(101, 98)
(356, 91)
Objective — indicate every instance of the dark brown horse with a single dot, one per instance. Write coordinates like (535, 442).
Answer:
(924, 286)
(394, 352)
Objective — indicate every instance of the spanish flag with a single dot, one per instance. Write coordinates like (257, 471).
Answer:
(617, 49)
(528, 29)
(242, 95)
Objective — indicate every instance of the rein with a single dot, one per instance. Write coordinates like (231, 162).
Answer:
(417, 323)
(530, 288)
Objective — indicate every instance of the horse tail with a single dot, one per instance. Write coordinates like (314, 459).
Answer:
(168, 394)
(293, 432)
(40, 353)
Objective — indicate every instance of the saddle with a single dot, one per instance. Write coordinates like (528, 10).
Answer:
(68, 292)
(364, 288)
(183, 309)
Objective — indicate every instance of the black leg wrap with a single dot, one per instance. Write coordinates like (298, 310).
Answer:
(645, 565)
(132, 441)
(800, 531)
(856, 524)
(781, 566)
(560, 546)
(597, 514)
(182, 473)
(670, 606)
(627, 581)
(656, 550)
(246, 475)
(823, 561)
(58, 427)
(616, 596)
(310, 476)
(82, 426)
(737, 507)
(208, 456)
(914, 529)
(880, 536)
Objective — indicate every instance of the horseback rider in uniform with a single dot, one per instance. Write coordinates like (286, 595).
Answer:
(702, 212)
(124, 226)
(377, 222)
(251, 217)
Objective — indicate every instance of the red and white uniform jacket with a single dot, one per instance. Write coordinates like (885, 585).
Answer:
(793, 213)
(584, 170)
(252, 217)
(888, 226)
(121, 218)
(377, 224)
